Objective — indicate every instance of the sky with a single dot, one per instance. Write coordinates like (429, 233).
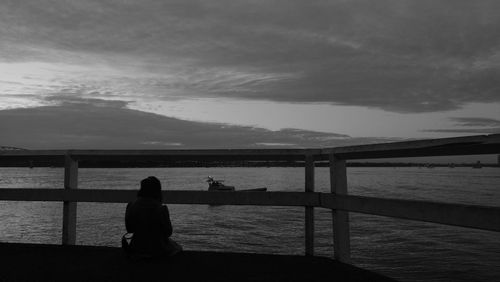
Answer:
(246, 74)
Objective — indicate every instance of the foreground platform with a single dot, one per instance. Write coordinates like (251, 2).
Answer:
(35, 262)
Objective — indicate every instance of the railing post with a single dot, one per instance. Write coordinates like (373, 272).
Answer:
(69, 208)
(309, 212)
(338, 186)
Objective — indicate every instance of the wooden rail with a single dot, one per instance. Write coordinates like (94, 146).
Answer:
(480, 217)
(473, 216)
(171, 197)
(470, 145)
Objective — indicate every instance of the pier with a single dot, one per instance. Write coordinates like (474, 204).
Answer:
(36, 262)
(89, 260)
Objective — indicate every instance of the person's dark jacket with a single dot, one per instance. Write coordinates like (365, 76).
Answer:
(149, 221)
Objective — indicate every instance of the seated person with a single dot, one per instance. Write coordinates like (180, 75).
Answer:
(149, 221)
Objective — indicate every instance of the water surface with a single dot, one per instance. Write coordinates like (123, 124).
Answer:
(403, 249)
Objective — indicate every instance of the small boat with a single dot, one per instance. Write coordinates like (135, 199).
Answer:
(217, 185)
(477, 165)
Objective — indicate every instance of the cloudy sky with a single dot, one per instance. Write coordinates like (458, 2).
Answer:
(244, 74)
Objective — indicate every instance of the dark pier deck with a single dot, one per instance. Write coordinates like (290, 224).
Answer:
(35, 262)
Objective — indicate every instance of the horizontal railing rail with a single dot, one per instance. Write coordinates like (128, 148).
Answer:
(170, 155)
(171, 197)
(472, 216)
(469, 145)
(479, 217)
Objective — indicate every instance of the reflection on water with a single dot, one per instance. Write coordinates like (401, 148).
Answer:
(406, 250)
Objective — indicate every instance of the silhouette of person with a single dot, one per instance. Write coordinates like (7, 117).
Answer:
(149, 221)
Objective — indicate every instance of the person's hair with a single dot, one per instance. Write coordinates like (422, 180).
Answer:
(150, 188)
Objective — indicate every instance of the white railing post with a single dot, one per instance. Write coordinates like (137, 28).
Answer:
(338, 186)
(309, 211)
(69, 208)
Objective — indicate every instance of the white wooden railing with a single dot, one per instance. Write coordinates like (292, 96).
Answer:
(338, 200)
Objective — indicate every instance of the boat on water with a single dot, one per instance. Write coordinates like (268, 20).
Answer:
(218, 185)
(477, 165)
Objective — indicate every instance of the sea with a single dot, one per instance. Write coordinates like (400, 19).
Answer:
(402, 249)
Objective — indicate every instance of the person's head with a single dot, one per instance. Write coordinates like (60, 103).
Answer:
(150, 188)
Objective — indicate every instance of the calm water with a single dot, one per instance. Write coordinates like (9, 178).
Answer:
(402, 249)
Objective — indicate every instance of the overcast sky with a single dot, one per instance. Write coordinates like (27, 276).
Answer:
(212, 74)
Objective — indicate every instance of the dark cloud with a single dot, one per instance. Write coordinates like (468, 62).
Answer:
(397, 55)
(96, 124)
(472, 125)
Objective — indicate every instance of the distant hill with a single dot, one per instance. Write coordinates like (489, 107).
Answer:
(9, 148)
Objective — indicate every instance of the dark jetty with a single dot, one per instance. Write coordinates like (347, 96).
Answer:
(36, 262)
